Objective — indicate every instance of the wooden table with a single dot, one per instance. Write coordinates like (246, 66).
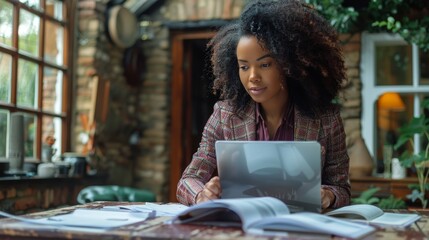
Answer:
(156, 229)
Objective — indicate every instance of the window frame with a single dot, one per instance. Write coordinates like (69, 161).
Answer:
(371, 92)
(67, 66)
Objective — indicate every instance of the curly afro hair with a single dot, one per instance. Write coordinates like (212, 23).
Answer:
(304, 44)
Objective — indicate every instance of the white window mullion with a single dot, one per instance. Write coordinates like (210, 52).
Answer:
(370, 92)
(367, 71)
(416, 81)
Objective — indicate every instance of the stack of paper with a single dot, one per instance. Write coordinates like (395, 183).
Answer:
(88, 218)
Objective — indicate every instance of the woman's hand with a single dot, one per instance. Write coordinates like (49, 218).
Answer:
(211, 190)
(328, 197)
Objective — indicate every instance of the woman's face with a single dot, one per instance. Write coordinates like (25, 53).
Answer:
(259, 73)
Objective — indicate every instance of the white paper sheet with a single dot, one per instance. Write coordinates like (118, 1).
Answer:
(88, 218)
(159, 209)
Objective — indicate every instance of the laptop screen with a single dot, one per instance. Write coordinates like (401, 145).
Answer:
(287, 170)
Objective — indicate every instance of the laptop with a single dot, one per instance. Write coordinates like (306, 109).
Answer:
(287, 170)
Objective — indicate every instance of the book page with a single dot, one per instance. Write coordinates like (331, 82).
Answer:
(310, 223)
(396, 219)
(228, 212)
(358, 211)
(374, 215)
(259, 207)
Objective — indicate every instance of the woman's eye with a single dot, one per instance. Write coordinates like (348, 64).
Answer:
(244, 68)
(265, 65)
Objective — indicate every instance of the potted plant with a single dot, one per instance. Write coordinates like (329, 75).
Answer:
(368, 197)
(419, 160)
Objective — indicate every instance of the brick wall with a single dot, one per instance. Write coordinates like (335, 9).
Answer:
(99, 64)
(36, 194)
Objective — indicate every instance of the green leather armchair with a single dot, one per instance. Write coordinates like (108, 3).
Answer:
(114, 193)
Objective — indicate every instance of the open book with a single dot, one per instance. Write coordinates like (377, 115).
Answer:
(267, 215)
(374, 215)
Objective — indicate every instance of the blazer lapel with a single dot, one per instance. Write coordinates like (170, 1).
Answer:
(306, 128)
(244, 129)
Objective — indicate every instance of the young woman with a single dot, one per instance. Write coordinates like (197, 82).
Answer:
(278, 71)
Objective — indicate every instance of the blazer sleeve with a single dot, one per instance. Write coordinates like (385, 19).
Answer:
(335, 174)
(203, 163)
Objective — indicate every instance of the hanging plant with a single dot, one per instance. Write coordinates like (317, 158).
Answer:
(343, 18)
(408, 18)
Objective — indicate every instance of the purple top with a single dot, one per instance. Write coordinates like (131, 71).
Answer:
(284, 132)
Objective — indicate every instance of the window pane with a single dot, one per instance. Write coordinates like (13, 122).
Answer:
(392, 111)
(30, 135)
(32, 3)
(29, 27)
(55, 9)
(3, 132)
(27, 82)
(54, 43)
(424, 68)
(393, 65)
(6, 18)
(52, 90)
(5, 76)
(424, 139)
(51, 129)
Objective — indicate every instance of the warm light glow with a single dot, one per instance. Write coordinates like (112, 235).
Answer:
(391, 101)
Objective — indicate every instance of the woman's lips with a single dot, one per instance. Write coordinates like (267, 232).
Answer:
(256, 90)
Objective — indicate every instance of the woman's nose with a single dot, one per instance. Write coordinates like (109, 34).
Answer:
(253, 75)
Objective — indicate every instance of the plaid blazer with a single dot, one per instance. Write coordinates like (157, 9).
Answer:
(225, 124)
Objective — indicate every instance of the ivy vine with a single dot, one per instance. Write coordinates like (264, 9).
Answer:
(408, 18)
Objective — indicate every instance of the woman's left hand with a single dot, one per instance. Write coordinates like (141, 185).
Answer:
(328, 197)
(211, 190)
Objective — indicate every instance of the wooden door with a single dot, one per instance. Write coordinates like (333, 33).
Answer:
(191, 101)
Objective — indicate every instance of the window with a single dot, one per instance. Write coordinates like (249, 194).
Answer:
(35, 72)
(395, 80)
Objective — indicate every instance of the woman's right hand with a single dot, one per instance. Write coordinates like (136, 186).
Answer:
(211, 190)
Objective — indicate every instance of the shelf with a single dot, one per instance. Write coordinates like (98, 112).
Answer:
(396, 187)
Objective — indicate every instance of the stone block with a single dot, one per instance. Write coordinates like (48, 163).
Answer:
(25, 203)
(11, 192)
(350, 38)
(351, 59)
(23, 192)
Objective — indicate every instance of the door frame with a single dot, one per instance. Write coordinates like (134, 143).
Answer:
(181, 107)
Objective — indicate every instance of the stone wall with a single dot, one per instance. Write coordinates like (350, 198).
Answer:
(152, 165)
(147, 109)
(351, 111)
(195, 10)
(99, 63)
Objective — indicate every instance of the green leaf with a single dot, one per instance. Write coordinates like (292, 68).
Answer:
(425, 103)
(373, 200)
(415, 194)
(406, 159)
(402, 140)
(369, 192)
(392, 203)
